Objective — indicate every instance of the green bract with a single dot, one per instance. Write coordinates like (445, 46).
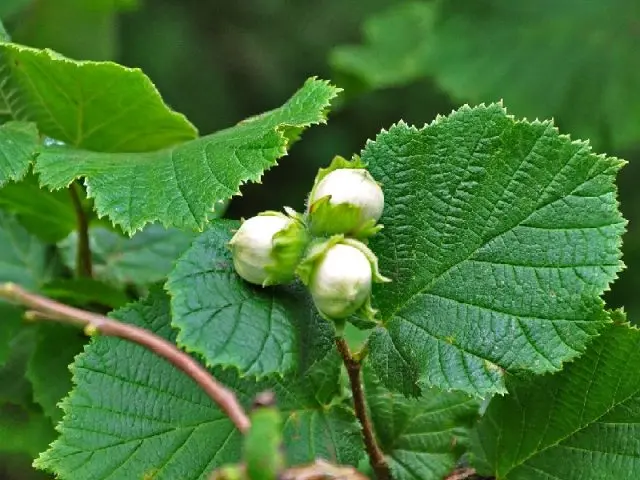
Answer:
(345, 199)
(339, 272)
(268, 247)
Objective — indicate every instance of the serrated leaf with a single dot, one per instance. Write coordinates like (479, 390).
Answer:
(48, 215)
(500, 236)
(423, 438)
(18, 142)
(132, 414)
(579, 423)
(145, 258)
(396, 47)
(48, 367)
(180, 186)
(230, 322)
(99, 106)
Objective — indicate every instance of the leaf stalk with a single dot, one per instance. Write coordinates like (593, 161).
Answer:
(84, 266)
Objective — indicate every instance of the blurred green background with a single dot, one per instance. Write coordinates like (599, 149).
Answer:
(218, 62)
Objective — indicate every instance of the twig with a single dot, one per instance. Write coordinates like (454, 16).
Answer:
(354, 368)
(42, 307)
(84, 267)
(461, 474)
(318, 470)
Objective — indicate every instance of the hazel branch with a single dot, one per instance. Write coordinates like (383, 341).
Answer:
(42, 307)
(354, 369)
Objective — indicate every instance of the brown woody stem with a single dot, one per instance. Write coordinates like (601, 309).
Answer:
(461, 474)
(354, 369)
(43, 307)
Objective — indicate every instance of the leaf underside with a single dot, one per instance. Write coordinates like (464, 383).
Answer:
(500, 236)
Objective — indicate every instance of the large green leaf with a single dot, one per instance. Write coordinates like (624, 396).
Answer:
(230, 322)
(422, 438)
(99, 106)
(500, 236)
(18, 142)
(145, 258)
(180, 186)
(583, 422)
(132, 414)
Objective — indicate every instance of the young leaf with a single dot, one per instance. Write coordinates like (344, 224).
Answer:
(48, 366)
(230, 322)
(99, 106)
(18, 143)
(180, 185)
(48, 215)
(580, 423)
(422, 438)
(145, 258)
(500, 236)
(132, 414)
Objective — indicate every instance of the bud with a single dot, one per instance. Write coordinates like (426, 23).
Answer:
(339, 273)
(345, 199)
(268, 247)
